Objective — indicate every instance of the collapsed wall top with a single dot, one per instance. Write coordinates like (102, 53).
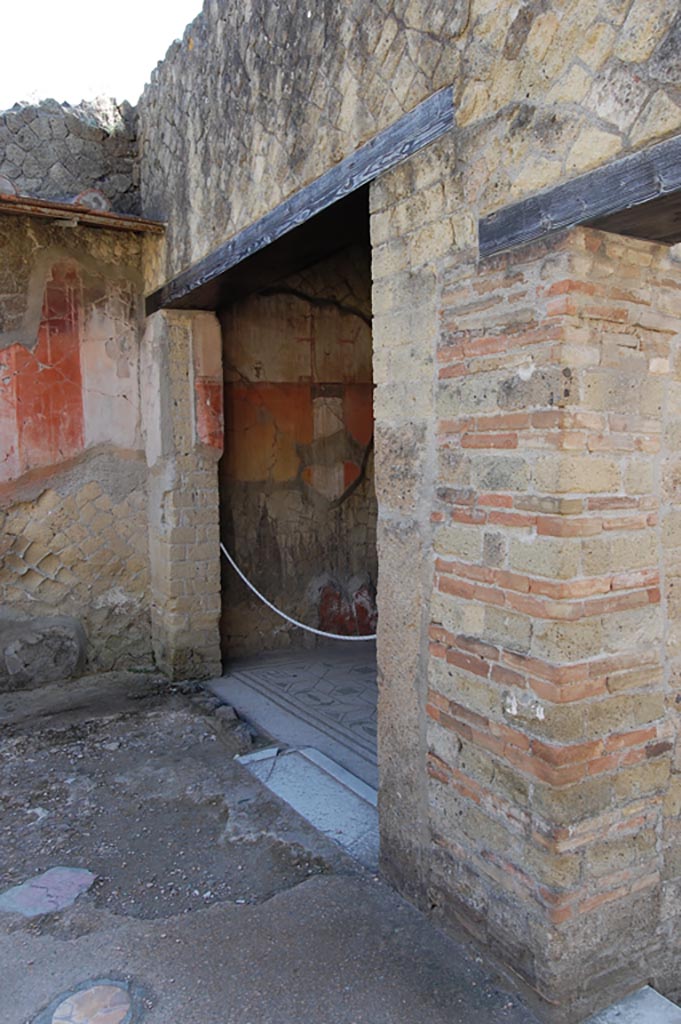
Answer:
(57, 151)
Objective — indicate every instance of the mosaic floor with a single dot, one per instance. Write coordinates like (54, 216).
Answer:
(333, 692)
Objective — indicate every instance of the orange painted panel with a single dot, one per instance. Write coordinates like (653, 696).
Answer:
(358, 411)
(264, 424)
(209, 412)
(47, 382)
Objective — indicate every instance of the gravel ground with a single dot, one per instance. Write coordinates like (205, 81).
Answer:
(213, 901)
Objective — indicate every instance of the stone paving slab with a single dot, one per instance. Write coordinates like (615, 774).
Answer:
(47, 893)
(643, 1007)
(330, 798)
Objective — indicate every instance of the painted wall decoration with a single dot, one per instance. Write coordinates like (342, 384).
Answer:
(298, 501)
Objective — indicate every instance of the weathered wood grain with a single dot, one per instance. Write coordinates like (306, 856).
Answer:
(632, 181)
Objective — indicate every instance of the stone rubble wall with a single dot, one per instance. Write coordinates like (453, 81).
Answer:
(260, 98)
(77, 545)
(56, 151)
(258, 101)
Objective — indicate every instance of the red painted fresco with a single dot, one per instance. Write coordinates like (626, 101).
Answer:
(264, 424)
(358, 411)
(41, 390)
(268, 426)
(347, 615)
(350, 473)
(209, 412)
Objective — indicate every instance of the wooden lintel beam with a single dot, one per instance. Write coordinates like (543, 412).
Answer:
(70, 213)
(427, 122)
(622, 184)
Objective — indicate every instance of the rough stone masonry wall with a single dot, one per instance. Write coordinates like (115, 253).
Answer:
(552, 718)
(56, 151)
(546, 94)
(257, 101)
(73, 501)
(542, 92)
(298, 506)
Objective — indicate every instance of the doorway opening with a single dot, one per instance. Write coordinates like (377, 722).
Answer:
(297, 498)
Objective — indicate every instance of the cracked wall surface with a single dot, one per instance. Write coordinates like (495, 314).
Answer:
(73, 501)
(255, 103)
(56, 151)
(298, 507)
(258, 100)
(522, 796)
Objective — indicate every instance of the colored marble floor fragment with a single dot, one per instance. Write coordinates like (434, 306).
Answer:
(47, 893)
(100, 1004)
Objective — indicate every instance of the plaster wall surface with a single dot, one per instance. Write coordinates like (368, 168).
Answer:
(73, 502)
(298, 506)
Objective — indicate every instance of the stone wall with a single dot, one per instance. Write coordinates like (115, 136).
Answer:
(284, 92)
(56, 151)
(181, 385)
(532, 399)
(259, 99)
(546, 94)
(551, 722)
(73, 504)
(298, 507)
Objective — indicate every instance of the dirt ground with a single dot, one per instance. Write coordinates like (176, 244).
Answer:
(213, 901)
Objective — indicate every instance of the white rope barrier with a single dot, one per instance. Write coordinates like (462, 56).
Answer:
(283, 615)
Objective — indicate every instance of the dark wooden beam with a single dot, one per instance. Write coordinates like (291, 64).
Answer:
(592, 198)
(340, 225)
(412, 132)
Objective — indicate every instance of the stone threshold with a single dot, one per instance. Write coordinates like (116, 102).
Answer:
(646, 1006)
(333, 800)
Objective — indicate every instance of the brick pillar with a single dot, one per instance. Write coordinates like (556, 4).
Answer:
(551, 716)
(182, 409)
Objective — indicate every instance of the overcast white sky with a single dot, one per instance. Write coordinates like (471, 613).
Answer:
(71, 50)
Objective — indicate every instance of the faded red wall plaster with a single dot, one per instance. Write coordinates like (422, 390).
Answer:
(209, 412)
(209, 420)
(269, 426)
(270, 430)
(41, 403)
